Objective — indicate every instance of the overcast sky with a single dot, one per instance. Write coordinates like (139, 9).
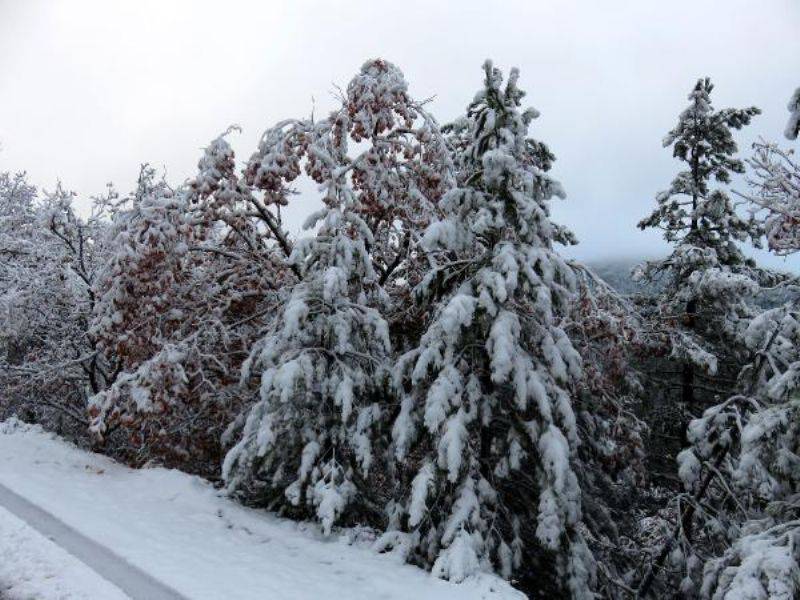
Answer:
(91, 89)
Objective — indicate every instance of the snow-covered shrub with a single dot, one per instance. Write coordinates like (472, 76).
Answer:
(194, 274)
(608, 333)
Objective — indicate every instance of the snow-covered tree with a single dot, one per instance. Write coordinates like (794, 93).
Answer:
(139, 282)
(706, 277)
(312, 437)
(17, 222)
(775, 195)
(194, 275)
(18, 258)
(141, 294)
(743, 467)
(398, 178)
(793, 126)
(309, 442)
(52, 257)
(486, 436)
(406, 168)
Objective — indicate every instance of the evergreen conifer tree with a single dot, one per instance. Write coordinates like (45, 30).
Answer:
(486, 435)
(309, 439)
(706, 276)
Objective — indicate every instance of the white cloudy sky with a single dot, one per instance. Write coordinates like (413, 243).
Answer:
(91, 89)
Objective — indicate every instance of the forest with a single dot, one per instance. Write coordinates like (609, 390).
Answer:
(424, 362)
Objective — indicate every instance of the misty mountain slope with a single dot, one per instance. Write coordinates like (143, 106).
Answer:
(618, 274)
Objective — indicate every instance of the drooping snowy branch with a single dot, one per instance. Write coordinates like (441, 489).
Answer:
(775, 195)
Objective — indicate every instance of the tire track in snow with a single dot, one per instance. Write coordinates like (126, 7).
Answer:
(105, 562)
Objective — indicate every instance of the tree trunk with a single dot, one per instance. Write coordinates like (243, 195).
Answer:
(687, 377)
(687, 384)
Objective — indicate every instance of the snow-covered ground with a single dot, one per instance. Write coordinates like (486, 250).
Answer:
(179, 530)
(31, 566)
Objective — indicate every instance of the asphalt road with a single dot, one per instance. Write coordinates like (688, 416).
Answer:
(105, 562)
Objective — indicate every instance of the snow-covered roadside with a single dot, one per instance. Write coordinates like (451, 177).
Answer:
(31, 566)
(179, 530)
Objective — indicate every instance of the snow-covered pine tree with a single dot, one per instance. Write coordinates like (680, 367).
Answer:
(706, 276)
(486, 436)
(743, 467)
(308, 444)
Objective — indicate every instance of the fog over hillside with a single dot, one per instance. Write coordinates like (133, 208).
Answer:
(618, 273)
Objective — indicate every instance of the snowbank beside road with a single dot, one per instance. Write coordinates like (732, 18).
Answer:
(178, 529)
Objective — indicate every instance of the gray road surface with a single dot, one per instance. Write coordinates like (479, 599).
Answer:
(130, 579)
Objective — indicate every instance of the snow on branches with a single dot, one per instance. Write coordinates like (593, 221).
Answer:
(486, 418)
(708, 280)
(775, 194)
(312, 437)
(775, 188)
(192, 277)
(50, 260)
